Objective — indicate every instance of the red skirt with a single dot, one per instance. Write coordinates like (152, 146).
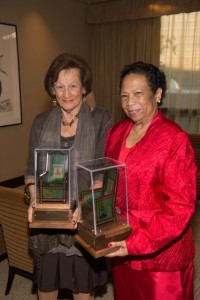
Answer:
(132, 284)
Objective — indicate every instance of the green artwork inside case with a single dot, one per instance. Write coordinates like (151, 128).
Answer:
(104, 200)
(105, 209)
(53, 182)
(110, 182)
(86, 204)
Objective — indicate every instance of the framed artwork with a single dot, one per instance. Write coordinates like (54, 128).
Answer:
(10, 95)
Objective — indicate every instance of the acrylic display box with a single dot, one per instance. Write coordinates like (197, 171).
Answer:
(101, 186)
(53, 207)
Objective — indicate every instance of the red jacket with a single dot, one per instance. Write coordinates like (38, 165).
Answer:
(161, 178)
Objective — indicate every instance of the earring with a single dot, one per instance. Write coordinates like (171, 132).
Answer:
(84, 98)
(54, 102)
(158, 100)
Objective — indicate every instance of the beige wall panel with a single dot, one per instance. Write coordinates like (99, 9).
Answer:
(45, 29)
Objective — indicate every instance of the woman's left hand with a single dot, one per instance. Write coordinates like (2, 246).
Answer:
(121, 249)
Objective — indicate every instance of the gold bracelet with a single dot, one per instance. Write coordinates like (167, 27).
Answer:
(26, 192)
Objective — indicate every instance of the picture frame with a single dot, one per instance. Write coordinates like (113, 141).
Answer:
(10, 92)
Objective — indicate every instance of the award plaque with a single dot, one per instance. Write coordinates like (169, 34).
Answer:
(53, 206)
(101, 222)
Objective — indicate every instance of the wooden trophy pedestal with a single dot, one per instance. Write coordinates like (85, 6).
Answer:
(97, 245)
(52, 215)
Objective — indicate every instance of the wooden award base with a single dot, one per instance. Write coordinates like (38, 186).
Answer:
(97, 245)
(52, 215)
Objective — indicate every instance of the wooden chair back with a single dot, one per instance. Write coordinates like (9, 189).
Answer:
(13, 219)
(2, 244)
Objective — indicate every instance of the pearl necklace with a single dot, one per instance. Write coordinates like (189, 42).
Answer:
(64, 123)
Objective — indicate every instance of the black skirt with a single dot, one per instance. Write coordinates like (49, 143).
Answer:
(75, 273)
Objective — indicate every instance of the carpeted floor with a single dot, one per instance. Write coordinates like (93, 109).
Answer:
(22, 287)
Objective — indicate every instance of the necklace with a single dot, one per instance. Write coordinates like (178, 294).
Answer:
(64, 123)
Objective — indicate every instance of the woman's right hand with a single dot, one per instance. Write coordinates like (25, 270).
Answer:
(31, 204)
(30, 213)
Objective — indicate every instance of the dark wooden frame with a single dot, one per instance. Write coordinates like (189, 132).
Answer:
(10, 100)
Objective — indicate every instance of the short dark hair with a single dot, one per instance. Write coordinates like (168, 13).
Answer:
(67, 61)
(155, 77)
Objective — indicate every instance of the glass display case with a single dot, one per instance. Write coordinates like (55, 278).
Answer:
(102, 186)
(54, 195)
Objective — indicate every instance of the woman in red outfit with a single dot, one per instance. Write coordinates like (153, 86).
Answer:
(156, 261)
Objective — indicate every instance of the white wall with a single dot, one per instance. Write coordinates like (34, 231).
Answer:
(45, 29)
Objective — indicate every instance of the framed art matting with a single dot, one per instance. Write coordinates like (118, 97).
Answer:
(10, 97)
